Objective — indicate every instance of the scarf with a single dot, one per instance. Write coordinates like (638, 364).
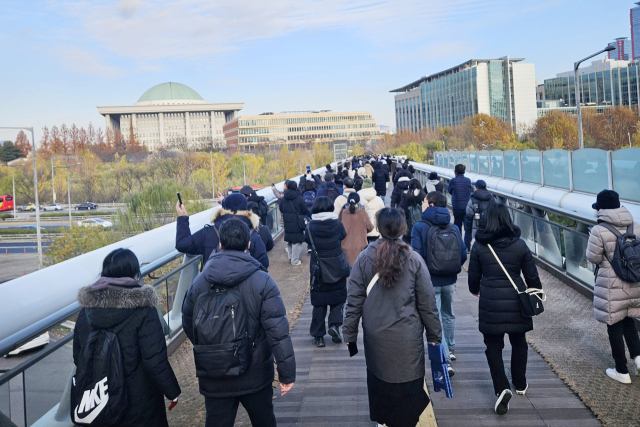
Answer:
(323, 216)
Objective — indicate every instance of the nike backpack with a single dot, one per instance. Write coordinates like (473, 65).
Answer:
(222, 347)
(443, 251)
(98, 392)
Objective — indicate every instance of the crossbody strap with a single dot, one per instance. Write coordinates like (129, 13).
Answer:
(504, 269)
(313, 245)
(372, 283)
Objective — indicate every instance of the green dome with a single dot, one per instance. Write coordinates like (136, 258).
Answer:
(169, 91)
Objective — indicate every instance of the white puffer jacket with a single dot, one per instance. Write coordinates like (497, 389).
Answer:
(375, 204)
(613, 298)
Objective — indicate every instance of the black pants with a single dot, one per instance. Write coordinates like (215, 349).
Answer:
(519, 348)
(221, 411)
(318, 327)
(624, 330)
(458, 218)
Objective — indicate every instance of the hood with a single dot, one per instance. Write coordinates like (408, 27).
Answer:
(620, 217)
(377, 166)
(248, 218)
(437, 215)
(502, 237)
(362, 171)
(347, 191)
(433, 181)
(367, 193)
(228, 268)
(290, 194)
(118, 297)
(403, 183)
(255, 198)
(482, 195)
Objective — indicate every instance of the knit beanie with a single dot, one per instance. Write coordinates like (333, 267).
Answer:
(367, 183)
(235, 202)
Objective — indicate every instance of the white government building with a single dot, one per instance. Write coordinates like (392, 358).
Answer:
(171, 112)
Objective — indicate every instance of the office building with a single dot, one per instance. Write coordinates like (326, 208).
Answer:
(635, 31)
(604, 82)
(622, 49)
(171, 114)
(247, 133)
(503, 88)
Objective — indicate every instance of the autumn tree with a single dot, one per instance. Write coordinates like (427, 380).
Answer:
(556, 130)
(287, 162)
(22, 142)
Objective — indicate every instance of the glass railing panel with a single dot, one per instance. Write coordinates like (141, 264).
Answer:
(436, 158)
(531, 171)
(473, 161)
(272, 221)
(5, 406)
(549, 243)
(556, 168)
(446, 192)
(451, 161)
(512, 164)
(497, 166)
(171, 288)
(456, 158)
(526, 224)
(578, 266)
(464, 159)
(590, 170)
(626, 173)
(483, 156)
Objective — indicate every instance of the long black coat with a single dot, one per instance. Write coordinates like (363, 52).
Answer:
(499, 306)
(148, 374)
(380, 178)
(400, 187)
(327, 237)
(292, 206)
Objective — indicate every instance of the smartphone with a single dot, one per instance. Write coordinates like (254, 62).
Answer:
(179, 198)
(308, 168)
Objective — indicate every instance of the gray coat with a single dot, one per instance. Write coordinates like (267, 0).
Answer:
(393, 319)
(613, 298)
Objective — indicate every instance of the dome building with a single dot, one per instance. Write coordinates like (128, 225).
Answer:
(171, 114)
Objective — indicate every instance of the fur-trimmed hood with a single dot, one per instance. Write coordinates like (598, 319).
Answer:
(249, 217)
(118, 297)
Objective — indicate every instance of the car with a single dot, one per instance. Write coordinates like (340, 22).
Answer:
(95, 222)
(32, 227)
(53, 207)
(37, 342)
(27, 207)
(87, 206)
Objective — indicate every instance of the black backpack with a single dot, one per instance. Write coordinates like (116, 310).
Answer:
(414, 217)
(626, 257)
(331, 192)
(309, 197)
(98, 391)
(480, 210)
(442, 250)
(221, 346)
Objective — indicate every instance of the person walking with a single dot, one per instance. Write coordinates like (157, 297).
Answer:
(390, 290)
(356, 222)
(403, 172)
(433, 183)
(460, 190)
(476, 213)
(368, 166)
(325, 234)
(444, 257)
(252, 196)
(294, 213)
(401, 186)
(235, 294)
(329, 189)
(380, 179)
(375, 203)
(499, 307)
(411, 203)
(615, 302)
(263, 231)
(341, 201)
(120, 303)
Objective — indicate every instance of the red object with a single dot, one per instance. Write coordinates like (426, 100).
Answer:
(173, 404)
(25, 250)
(25, 271)
(6, 203)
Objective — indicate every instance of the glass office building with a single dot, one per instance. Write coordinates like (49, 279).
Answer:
(503, 88)
(635, 32)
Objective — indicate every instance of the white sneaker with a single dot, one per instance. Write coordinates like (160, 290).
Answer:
(615, 375)
(502, 405)
(523, 392)
(637, 363)
(297, 263)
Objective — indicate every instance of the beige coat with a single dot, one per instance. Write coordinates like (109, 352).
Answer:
(375, 204)
(341, 200)
(357, 226)
(369, 169)
(613, 298)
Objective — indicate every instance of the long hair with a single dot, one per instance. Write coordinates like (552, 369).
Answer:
(392, 253)
(121, 263)
(498, 217)
(353, 200)
(415, 195)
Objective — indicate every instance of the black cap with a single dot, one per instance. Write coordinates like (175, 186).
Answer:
(480, 184)
(246, 190)
(607, 199)
(433, 175)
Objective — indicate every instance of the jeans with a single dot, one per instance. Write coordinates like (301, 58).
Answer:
(458, 218)
(318, 327)
(221, 411)
(382, 197)
(294, 251)
(444, 302)
(519, 348)
(624, 330)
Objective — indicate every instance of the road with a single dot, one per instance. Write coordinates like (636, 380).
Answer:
(7, 248)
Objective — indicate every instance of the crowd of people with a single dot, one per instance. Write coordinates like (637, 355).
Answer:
(394, 269)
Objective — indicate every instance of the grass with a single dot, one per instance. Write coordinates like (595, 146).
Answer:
(28, 231)
(6, 215)
(78, 213)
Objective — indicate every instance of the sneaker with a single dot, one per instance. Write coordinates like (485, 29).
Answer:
(451, 355)
(309, 250)
(319, 342)
(502, 405)
(637, 363)
(523, 392)
(297, 263)
(615, 375)
(334, 331)
(450, 370)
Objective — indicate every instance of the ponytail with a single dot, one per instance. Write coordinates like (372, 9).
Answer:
(352, 206)
(392, 252)
(353, 201)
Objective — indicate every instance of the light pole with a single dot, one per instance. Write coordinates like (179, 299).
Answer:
(69, 189)
(576, 65)
(629, 134)
(53, 182)
(444, 146)
(244, 173)
(213, 186)
(35, 190)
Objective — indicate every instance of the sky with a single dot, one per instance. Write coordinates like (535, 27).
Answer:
(59, 59)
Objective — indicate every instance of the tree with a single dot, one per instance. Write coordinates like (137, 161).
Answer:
(22, 142)
(556, 130)
(487, 130)
(220, 172)
(357, 150)
(322, 154)
(9, 152)
(287, 162)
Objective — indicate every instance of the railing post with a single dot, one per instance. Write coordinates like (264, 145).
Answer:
(542, 168)
(520, 164)
(503, 166)
(610, 169)
(570, 158)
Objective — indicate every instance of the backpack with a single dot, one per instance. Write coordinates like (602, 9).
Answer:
(480, 210)
(98, 392)
(264, 209)
(442, 250)
(221, 345)
(331, 192)
(414, 217)
(430, 188)
(626, 257)
(309, 197)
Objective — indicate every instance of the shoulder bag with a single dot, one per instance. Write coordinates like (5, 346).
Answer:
(531, 299)
(332, 269)
(301, 221)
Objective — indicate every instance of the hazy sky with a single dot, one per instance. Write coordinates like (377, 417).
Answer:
(60, 59)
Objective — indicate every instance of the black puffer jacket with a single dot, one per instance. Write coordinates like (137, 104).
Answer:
(499, 306)
(380, 178)
(402, 173)
(266, 321)
(327, 236)
(262, 204)
(292, 206)
(401, 187)
(148, 374)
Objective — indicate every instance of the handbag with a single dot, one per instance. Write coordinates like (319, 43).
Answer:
(332, 269)
(531, 299)
(301, 221)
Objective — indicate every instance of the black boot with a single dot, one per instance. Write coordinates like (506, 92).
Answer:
(334, 331)
(319, 342)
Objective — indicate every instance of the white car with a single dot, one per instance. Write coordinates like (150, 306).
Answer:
(53, 207)
(95, 222)
(40, 341)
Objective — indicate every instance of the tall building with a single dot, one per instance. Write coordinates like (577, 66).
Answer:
(604, 82)
(171, 113)
(635, 31)
(503, 88)
(622, 49)
(247, 133)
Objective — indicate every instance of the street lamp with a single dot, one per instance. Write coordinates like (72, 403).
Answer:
(576, 65)
(35, 190)
(68, 188)
(444, 145)
(244, 173)
(629, 134)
